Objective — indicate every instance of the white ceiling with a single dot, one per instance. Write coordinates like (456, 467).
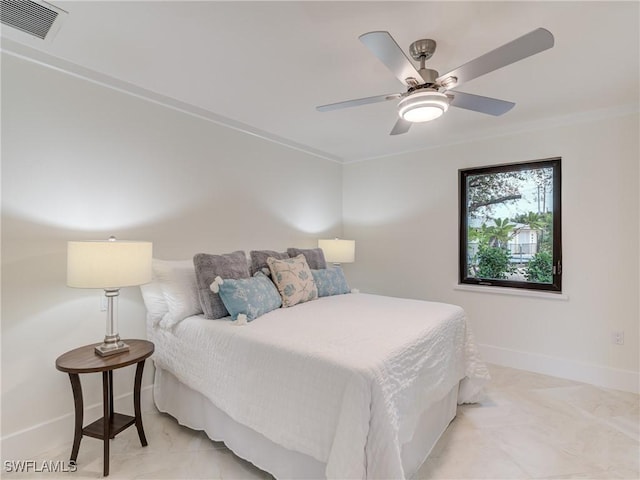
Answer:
(264, 66)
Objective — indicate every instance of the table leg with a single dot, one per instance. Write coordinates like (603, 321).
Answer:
(136, 403)
(107, 398)
(111, 410)
(77, 431)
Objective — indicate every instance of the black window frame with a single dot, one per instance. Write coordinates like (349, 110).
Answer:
(463, 278)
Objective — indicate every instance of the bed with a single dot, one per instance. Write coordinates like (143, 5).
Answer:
(344, 386)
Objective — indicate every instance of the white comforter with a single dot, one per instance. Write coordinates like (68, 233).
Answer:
(342, 379)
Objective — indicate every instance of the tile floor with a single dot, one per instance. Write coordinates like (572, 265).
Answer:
(530, 426)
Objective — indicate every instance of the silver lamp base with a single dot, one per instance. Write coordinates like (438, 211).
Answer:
(111, 347)
(112, 343)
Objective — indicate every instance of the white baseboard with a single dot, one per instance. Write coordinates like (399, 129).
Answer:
(32, 441)
(617, 379)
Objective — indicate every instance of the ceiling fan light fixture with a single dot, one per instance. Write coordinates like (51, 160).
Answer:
(423, 106)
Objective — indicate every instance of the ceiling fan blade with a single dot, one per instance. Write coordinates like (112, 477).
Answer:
(401, 126)
(478, 103)
(357, 102)
(383, 46)
(518, 49)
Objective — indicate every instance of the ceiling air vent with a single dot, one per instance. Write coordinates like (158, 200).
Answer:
(36, 18)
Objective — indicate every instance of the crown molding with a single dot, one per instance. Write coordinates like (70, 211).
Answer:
(33, 55)
(537, 125)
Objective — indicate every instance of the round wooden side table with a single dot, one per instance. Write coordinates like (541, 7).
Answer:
(84, 360)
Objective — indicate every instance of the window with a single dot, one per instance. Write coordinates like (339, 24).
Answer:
(510, 228)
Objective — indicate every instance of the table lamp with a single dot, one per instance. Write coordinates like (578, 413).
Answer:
(338, 251)
(109, 264)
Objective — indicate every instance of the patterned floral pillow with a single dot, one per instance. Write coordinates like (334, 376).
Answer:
(330, 281)
(252, 297)
(294, 280)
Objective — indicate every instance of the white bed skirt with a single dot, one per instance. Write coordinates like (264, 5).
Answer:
(194, 410)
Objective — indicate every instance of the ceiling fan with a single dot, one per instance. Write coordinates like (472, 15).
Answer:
(428, 94)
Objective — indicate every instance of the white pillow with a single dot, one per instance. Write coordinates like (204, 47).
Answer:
(154, 301)
(177, 279)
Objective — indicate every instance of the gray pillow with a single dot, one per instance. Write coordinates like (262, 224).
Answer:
(259, 260)
(314, 256)
(208, 267)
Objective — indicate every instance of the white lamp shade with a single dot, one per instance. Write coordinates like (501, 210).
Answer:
(338, 250)
(108, 263)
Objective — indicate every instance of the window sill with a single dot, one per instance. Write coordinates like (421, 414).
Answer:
(518, 292)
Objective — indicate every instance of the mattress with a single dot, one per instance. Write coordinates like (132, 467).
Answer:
(343, 380)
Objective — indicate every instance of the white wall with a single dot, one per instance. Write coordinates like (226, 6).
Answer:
(403, 212)
(80, 161)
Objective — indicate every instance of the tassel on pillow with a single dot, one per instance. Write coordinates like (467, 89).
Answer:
(215, 286)
(242, 319)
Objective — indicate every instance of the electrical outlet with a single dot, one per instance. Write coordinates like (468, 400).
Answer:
(103, 303)
(618, 337)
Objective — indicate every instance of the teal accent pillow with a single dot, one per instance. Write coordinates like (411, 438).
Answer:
(330, 281)
(252, 297)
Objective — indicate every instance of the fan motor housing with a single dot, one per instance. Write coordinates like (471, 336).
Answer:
(428, 75)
